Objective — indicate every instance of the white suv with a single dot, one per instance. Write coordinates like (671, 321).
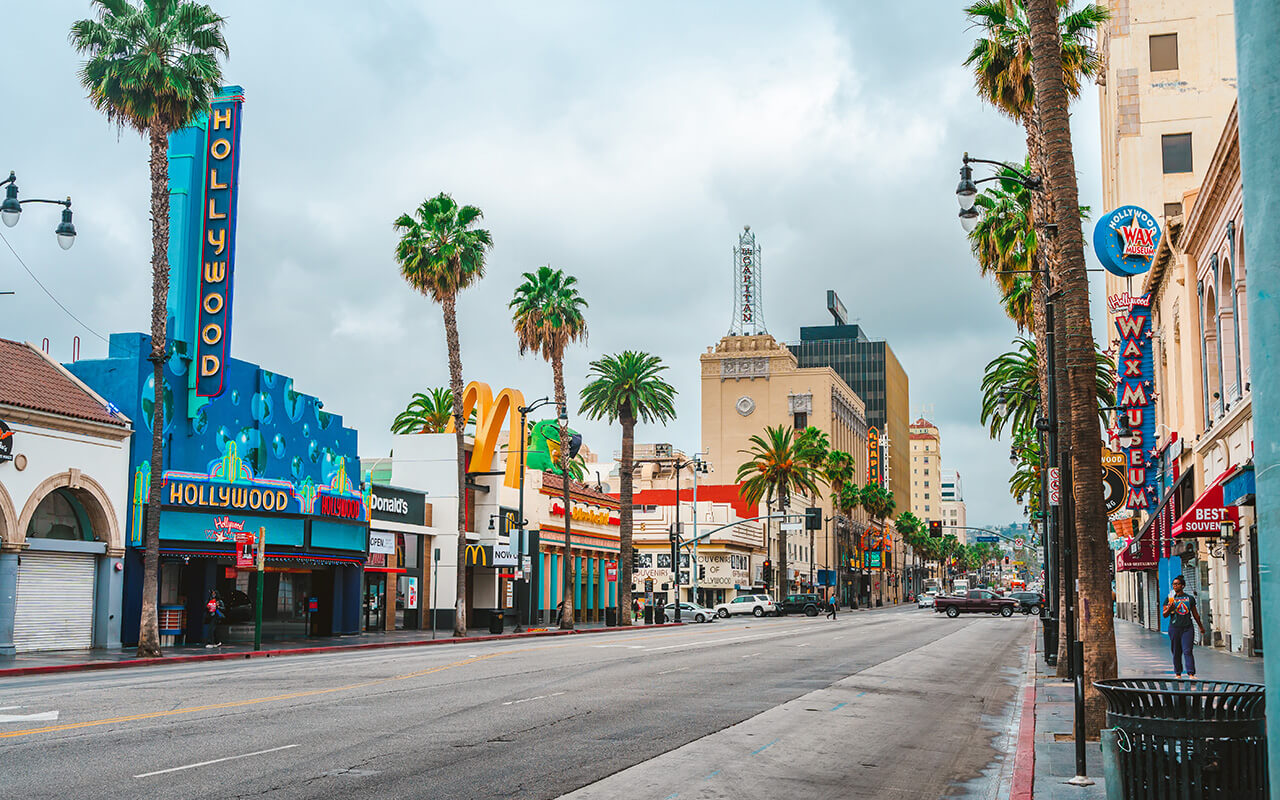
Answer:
(761, 605)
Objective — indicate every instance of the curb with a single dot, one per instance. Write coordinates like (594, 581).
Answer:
(47, 669)
(1024, 759)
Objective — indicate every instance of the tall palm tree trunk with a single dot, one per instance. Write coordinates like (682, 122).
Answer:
(149, 624)
(1093, 555)
(626, 492)
(449, 305)
(569, 573)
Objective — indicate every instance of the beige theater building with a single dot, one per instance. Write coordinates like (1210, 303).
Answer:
(751, 382)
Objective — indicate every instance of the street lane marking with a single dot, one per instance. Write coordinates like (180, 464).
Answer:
(528, 699)
(242, 703)
(669, 671)
(806, 644)
(838, 706)
(214, 761)
(750, 655)
(766, 747)
(43, 716)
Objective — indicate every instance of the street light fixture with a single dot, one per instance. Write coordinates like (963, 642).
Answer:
(967, 189)
(11, 211)
(520, 543)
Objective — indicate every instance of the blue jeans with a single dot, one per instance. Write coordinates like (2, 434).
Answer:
(1181, 640)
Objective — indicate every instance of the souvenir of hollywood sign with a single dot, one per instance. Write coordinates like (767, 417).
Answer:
(1126, 240)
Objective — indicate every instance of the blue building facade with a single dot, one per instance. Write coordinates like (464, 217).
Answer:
(243, 450)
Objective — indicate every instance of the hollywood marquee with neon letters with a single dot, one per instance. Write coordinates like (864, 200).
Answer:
(244, 450)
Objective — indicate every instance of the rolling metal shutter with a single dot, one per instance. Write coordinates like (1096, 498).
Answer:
(54, 608)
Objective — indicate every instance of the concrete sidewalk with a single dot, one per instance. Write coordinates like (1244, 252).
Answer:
(1141, 653)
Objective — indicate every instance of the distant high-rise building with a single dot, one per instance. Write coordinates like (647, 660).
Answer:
(954, 514)
(871, 370)
(926, 470)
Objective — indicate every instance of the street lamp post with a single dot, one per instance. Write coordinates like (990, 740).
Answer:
(966, 195)
(11, 211)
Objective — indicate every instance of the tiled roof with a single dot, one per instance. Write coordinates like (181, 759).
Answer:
(553, 482)
(30, 379)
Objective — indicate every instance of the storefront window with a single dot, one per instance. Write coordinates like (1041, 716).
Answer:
(60, 516)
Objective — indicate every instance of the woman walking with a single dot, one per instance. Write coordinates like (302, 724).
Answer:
(1181, 610)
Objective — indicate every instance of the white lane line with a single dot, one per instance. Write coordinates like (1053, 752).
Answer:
(750, 655)
(806, 644)
(625, 646)
(669, 671)
(214, 761)
(43, 716)
(528, 699)
(705, 642)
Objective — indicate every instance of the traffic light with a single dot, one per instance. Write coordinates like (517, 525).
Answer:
(935, 527)
(702, 573)
(768, 572)
(813, 519)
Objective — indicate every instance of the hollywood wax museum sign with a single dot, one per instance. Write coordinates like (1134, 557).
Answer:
(1126, 240)
(1135, 390)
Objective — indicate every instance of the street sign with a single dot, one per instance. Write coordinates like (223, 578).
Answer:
(1018, 541)
(611, 572)
(1055, 486)
(648, 584)
(988, 538)
(792, 526)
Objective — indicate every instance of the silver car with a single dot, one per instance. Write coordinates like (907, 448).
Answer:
(689, 612)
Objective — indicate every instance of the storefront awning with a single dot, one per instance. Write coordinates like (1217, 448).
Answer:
(1154, 540)
(227, 557)
(1240, 487)
(1205, 516)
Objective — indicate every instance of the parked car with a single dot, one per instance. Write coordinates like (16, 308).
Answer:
(759, 605)
(925, 600)
(1029, 602)
(807, 604)
(975, 601)
(689, 612)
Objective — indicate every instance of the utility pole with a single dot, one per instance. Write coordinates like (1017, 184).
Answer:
(257, 605)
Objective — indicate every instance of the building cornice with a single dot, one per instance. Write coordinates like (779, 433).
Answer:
(64, 424)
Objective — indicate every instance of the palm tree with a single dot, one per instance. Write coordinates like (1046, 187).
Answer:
(911, 531)
(153, 68)
(425, 413)
(440, 253)
(547, 312)
(1093, 554)
(774, 471)
(838, 472)
(627, 388)
(1013, 375)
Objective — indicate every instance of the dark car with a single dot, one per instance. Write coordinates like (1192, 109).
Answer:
(1029, 602)
(975, 601)
(808, 604)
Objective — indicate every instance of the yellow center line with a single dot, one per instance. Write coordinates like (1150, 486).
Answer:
(242, 703)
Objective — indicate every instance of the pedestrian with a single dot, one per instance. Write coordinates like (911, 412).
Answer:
(635, 609)
(213, 612)
(559, 612)
(832, 606)
(1180, 608)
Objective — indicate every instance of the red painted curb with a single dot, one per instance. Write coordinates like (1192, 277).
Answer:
(1024, 760)
(46, 669)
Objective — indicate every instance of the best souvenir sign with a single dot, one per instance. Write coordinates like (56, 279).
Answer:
(217, 241)
(1126, 240)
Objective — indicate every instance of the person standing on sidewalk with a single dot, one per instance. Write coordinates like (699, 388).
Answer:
(213, 611)
(1181, 610)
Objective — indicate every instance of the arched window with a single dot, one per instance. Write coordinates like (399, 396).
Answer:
(1212, 356)
(60, 516)
(1229, 331)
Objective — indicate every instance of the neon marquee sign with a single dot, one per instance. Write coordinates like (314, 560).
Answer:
(1135, 391)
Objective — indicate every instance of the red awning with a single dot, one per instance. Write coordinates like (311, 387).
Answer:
(1205, 516)
(1147, 557)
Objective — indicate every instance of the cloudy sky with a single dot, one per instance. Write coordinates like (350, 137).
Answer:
(626, 143)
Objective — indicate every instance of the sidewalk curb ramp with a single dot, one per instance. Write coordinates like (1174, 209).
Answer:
(47, 669)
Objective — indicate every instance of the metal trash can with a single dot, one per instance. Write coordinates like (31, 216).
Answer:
(610, 616)
(1050, 646)
(496, 619)
(648, 614)
(1188, 739)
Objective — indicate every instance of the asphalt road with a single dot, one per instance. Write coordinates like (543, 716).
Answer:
(892, 703)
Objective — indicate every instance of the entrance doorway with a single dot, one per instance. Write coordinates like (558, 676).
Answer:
(375, 601)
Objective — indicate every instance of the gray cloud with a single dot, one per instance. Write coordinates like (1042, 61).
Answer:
(625, 144)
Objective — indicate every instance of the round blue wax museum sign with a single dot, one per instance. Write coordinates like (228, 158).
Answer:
(1126, 240)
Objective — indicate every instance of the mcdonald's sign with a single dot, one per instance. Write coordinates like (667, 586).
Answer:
(490, 411)
(476, 554)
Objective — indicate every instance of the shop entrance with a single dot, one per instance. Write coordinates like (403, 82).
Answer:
(375, 601)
